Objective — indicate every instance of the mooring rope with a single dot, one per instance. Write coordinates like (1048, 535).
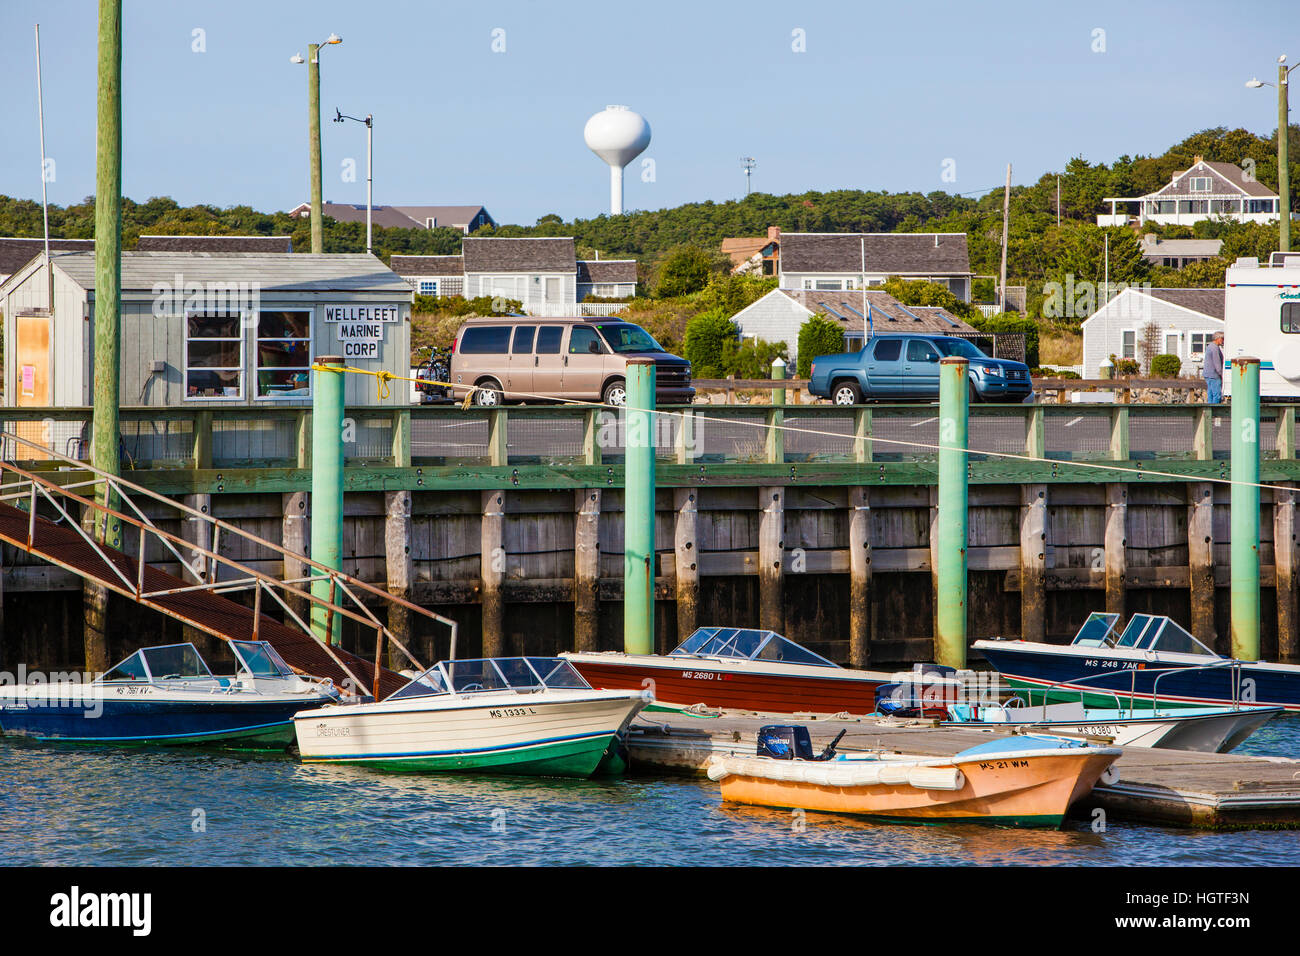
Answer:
(385, 391)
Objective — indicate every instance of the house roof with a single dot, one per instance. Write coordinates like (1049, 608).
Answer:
(17, 252)
(1154, 246)
(606, 270)
(887, 313)
(428, 265)
(1208, 302)
(1234, 175)
(520, 255)
(214, 244)
(281, 272)
(398, 217)
(891, 253)
(742, 249)
(457, 217)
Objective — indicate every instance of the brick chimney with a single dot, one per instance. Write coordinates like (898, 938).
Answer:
(774, 233)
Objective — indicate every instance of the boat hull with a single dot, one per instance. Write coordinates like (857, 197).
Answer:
(1034, 791)
(1217, 732)
(566, 737)
(253, 725)
(1036, 667)
(735, 686)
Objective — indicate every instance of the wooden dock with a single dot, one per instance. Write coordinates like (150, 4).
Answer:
(1167, 787)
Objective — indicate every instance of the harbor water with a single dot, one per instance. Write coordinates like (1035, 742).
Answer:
(66, 805)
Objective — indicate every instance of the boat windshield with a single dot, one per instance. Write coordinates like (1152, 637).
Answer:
(260, 659)
(1152, 632)
(523, 675)
(1096, 630)
(161, 663)
(746, 644)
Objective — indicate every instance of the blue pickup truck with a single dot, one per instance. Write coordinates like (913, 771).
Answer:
(906, 367)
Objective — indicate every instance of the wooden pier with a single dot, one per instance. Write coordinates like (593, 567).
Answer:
(1168, 787)
(510, 521)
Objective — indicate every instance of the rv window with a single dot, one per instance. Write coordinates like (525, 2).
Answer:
(1291, 317)
(485, 340)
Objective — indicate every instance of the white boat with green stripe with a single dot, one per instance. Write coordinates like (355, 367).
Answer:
(517, 715)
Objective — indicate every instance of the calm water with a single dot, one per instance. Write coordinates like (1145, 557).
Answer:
(60, 805)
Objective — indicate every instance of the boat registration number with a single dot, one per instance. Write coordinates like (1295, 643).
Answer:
(1097, 730)
(512, 712)
(1115, 665)
(1002, 764)
(699, 675)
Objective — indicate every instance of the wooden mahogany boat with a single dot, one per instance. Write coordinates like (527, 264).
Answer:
(1027, 780)
(741, 668)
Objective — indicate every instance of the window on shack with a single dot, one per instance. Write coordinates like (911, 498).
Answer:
(214, 355)
(284, 354)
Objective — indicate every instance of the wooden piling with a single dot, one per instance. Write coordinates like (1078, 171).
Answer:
(1115, 551)
(686, 551)
(771, 552)
(1033, 563)
(1200, 560)
(94, 602)
(859, 576)
(295, 535)
(1284, 559)
(586, 569)
(492, 575)
(197, 532)
(400, 570)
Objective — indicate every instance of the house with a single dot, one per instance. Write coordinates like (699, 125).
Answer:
(1176, 253)
(831, 262)
(214, 244)
(755, 256)
(1182, 321)
(207, 329)
(16, 253)
(464, 218)
(544, 274)
(1203, 191)
(778, 316)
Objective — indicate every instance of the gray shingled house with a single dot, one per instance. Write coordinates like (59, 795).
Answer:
(832, 262)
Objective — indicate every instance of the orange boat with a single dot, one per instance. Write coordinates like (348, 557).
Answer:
(1025, 781)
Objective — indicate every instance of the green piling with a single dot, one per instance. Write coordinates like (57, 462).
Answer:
(1245, 509)
(327, 487)
(950, 574)
(639, 510)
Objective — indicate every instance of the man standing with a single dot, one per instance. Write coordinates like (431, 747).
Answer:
(1212, 369)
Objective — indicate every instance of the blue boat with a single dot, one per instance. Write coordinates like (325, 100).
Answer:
(167, 695)
(1150, 663)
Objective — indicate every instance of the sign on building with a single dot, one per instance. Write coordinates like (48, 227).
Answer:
(360, 328)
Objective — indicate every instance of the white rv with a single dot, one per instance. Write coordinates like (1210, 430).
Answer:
(1262, 319)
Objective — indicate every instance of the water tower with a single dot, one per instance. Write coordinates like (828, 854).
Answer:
(617, 135)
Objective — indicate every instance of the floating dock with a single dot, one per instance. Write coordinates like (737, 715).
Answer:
(1167, 787)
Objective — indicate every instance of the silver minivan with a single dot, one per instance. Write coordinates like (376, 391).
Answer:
(528, 359)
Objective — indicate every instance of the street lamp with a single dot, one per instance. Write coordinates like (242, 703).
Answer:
(339, 117)
(313, 132)
(1283, 129)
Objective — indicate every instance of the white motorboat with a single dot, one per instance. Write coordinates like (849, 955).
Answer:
(523, 715)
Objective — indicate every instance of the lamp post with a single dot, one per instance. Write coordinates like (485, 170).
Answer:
(1283, 128)
(313, 133)
(339, 117)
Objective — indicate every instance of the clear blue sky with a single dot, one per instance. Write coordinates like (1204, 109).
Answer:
(883, 94)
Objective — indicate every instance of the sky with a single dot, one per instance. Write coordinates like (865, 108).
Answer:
(486, 102)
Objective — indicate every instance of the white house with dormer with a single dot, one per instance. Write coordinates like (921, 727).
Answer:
(1204, 191)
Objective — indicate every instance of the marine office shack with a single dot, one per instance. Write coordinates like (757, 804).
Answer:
(206, 329)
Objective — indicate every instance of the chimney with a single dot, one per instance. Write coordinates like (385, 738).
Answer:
(1197, 159)
(774, 233)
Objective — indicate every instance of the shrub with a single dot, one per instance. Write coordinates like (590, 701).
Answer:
(818, 336)
(686, 269)
(751, 358)
(706, 336)
(1125, 366)
(459, 305)
(1166, 366)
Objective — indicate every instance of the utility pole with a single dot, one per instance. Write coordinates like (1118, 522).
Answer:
(1006, 218)
(313, 144)
(369, 121)
(1058, 202)
(1283, 171)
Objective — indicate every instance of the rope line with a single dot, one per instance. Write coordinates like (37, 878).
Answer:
(385, 377)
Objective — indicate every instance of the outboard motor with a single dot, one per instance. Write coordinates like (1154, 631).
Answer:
(785, 742)
(925, 692)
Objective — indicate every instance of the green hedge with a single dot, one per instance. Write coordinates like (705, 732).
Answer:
(818, 336)
(1166, 366)
(1011, 322)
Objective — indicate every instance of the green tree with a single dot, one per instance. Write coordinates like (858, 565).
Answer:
(686, 269)
(1012, 322)
(751, 358)
(818, 336)
(706, 338)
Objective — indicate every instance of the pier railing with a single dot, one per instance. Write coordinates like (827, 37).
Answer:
(230, 438)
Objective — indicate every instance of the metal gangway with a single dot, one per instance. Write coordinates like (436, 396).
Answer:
(56, 522)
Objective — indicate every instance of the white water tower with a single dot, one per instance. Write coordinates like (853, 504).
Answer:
(617, 135)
